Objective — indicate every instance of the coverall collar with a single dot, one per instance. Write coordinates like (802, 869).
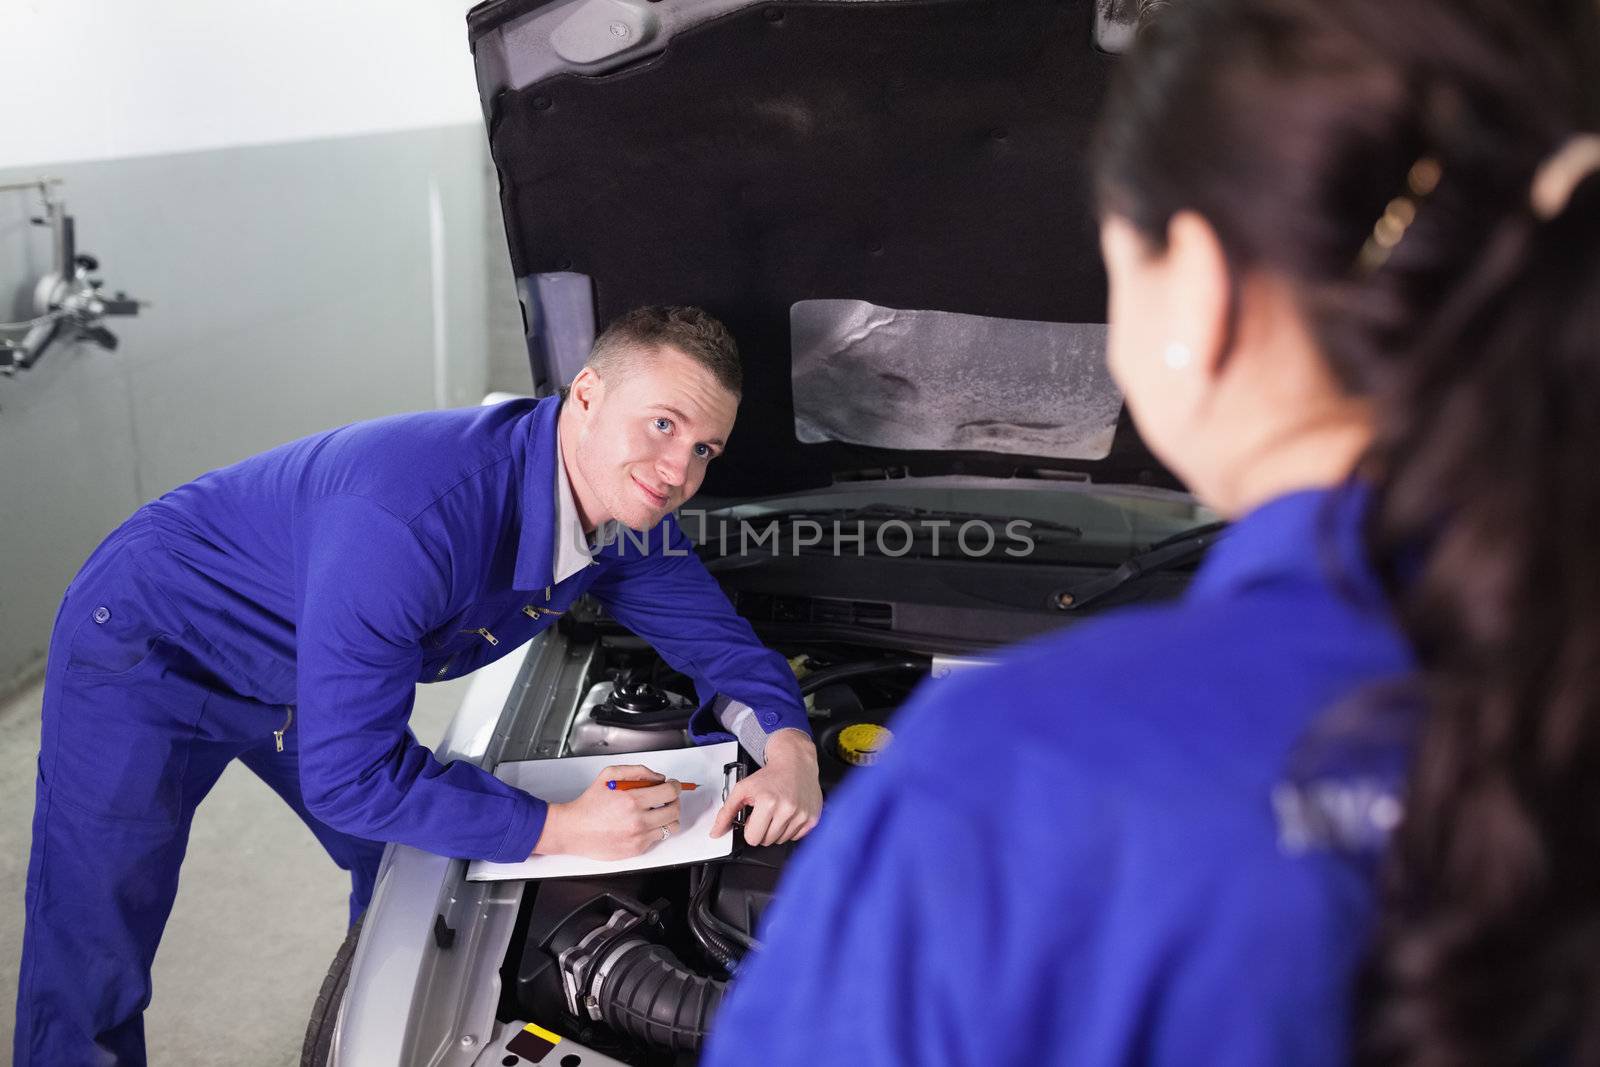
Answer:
(535, 567)
(1311, 534)
(575, 549)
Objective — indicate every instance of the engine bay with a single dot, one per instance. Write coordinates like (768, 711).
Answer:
(633, 966)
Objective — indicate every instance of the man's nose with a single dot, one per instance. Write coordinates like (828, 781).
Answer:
(672, 466)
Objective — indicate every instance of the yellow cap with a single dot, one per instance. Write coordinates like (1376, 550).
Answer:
(861, 743)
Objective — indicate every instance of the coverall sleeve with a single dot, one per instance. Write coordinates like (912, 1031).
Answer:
(919, 925)
(669, 599)
(856, 964)
(367, 592)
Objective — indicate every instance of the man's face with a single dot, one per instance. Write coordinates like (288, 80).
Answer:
(646, 434)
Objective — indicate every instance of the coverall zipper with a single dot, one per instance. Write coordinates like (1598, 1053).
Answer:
(288, 720)
(483, 632)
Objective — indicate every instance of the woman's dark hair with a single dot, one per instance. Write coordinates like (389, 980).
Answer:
(1292, 126)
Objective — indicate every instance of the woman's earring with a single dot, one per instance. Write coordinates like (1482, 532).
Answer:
(1177, 355)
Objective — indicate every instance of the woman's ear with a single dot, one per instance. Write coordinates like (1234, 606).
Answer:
(1201, 293)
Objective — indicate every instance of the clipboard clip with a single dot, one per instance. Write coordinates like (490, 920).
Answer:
(732, 773)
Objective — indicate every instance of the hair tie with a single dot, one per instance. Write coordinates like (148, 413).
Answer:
(1561, 172)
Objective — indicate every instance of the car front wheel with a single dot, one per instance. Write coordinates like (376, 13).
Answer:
(325, 1012)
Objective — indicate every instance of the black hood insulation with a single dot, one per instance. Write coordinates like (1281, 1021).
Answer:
(930, 154)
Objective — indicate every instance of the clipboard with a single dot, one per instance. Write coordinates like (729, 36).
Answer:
(712, 767)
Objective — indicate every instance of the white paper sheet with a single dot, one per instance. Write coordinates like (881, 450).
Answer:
(561, 780)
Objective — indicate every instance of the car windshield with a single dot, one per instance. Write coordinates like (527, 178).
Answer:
(950, 518)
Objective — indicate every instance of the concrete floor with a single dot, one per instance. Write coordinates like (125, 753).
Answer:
(260, 910)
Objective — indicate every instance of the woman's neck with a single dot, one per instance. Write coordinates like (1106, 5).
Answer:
(1308, 454)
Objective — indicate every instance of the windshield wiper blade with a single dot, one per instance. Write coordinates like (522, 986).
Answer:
(1175, 551)
(874, 517)
(891, 512)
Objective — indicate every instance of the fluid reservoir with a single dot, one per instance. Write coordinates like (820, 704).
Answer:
(861, 743)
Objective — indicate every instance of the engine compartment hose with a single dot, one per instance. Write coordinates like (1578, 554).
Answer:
(728, 935)
(648, 994)
(717, 946)
(701, 914)
(839, 672)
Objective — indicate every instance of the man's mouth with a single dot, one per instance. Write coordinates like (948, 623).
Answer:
(655, 498)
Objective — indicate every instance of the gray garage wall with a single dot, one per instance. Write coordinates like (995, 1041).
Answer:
(293, 287)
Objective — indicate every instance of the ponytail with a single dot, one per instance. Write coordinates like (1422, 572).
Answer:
(1488, 948)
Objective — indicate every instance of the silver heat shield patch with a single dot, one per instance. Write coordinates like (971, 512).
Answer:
(942, 381)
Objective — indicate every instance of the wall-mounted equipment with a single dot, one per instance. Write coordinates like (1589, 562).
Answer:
(66, 302)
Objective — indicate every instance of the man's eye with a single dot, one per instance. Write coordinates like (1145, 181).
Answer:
(663, 424)
(703, 451)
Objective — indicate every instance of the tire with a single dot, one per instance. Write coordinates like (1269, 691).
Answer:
(325, 1012)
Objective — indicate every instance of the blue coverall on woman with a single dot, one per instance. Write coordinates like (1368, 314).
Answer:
(1101, 851)
(280, 612)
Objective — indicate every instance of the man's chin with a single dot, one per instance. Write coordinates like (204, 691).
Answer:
(642, 518)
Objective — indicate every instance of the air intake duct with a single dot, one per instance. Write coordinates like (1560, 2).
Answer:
(647, 993)
(638, 988)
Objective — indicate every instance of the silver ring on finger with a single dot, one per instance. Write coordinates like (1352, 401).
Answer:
(666, 832)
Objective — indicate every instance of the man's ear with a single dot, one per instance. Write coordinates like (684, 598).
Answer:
(585, 391)
(1201, 293)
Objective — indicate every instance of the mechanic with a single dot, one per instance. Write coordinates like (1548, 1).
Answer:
(282, 610)
(1338, 803)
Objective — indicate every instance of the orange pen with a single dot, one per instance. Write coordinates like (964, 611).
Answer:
(639, 783)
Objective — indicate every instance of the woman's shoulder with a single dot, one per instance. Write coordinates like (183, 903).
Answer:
(1171, 706)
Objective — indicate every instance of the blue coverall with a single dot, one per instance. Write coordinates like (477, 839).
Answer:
(1086, 855)
(297, 598)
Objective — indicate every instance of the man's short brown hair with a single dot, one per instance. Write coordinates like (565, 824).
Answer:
(685, 329)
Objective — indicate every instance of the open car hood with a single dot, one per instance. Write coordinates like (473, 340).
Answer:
(887, 201)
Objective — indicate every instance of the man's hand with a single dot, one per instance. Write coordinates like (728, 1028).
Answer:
(785, 796)
(611, 824)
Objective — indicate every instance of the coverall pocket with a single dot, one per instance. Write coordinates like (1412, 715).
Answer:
(112, 638)
(118, 746)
